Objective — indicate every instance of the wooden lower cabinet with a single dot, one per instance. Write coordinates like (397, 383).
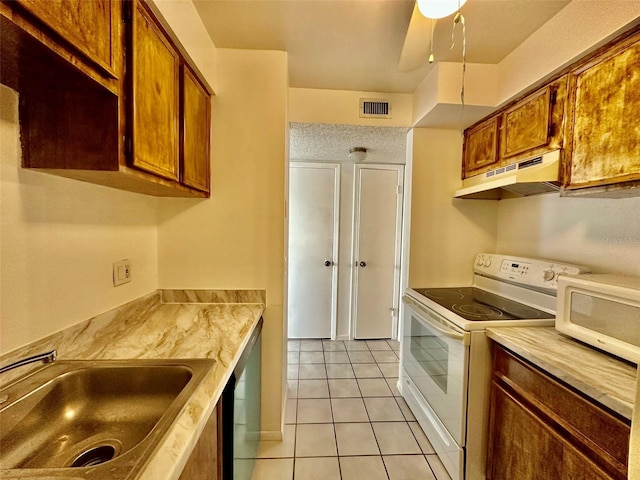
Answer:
(205, 460)
(539, 429)
(576, 466)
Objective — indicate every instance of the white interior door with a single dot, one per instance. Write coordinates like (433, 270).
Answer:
(313, 249)
(377, 246)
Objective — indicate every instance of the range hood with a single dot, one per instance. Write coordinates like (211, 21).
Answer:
(527, 177)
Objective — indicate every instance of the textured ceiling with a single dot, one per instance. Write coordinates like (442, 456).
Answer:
(357, 44)
(331, 143)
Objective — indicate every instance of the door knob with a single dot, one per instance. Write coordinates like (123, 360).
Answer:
(327, 263)
(363, 264)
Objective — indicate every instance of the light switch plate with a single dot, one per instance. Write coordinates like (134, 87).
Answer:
(121, 272)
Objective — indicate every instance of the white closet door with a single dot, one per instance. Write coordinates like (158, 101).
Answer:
(313, 252)
(378, 212)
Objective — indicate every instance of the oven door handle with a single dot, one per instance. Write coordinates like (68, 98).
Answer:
(426, 315)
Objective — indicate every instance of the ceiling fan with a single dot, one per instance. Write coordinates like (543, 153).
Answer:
(418, 42)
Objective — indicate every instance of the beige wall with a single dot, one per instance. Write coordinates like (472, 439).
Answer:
(446, 233)
(603, 234)
(58, 240)
(236, 238)
(436, 101)
(577, 28)
(59, 237)
(343, 107)
(185, 23)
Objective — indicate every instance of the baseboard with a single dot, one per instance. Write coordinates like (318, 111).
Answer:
(342, 337)
(271, 436)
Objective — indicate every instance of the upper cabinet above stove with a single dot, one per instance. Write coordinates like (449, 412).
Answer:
(533, 125)
(528, 127)
(590, 111)
(603, 141)
(481, 147)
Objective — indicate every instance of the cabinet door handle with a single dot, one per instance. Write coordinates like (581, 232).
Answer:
(363, 264)
(327, 263)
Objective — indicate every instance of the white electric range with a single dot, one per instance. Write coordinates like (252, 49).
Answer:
(445, 353)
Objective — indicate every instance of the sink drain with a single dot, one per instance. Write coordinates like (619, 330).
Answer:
(94, 456)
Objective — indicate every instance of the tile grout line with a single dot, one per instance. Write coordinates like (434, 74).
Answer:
(386, 380)
(333, 420)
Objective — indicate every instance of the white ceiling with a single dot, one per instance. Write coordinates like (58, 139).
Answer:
(356, 44)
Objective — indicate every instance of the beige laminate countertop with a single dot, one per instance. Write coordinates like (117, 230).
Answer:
(604, 378)
(168, 324)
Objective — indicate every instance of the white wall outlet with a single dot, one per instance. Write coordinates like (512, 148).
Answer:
(121, 272)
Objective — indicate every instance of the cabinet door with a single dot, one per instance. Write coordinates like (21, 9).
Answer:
(481, 148)
(88, 25)
(154, 69)
(535, 420)
(577, 466)
(204, 461)
(605, 139)
(527, 125)
(520, 445)
(196, 111)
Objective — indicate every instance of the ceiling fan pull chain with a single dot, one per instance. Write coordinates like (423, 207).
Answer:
(459, 19)
(433, 26)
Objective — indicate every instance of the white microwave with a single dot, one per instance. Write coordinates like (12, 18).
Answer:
(602, 311)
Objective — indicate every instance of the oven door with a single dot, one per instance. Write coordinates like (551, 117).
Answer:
(435, 357)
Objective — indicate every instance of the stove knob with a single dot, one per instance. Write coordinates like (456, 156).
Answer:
(548, 275)
(487, 262)
(479, 261)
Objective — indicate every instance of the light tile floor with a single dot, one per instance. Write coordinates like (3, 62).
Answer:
(345, 419)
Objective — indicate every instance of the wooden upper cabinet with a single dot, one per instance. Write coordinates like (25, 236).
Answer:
(196, 121)
(527, 125)
(604, 137)
(107, 95)
(89, 26)
(154, 66)
(481, 147)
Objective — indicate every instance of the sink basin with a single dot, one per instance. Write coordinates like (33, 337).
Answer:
(87, 418)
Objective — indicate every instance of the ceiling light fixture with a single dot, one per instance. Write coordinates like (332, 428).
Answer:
(358, 154)
(439, 8)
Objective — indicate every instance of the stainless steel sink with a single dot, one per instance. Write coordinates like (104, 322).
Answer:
(92, 419)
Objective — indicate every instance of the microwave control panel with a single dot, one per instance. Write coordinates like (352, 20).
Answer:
(532, 272)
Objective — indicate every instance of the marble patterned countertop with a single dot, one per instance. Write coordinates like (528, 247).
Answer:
(167, 324)
(604, 378)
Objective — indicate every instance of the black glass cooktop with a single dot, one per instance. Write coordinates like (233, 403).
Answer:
(475, 304)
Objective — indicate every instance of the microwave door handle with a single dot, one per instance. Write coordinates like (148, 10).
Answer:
(425, 316)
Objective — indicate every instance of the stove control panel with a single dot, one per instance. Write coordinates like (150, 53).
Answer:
(514, 268)
(532, 272)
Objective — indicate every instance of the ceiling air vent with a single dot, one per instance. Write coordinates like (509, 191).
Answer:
(374, 108)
